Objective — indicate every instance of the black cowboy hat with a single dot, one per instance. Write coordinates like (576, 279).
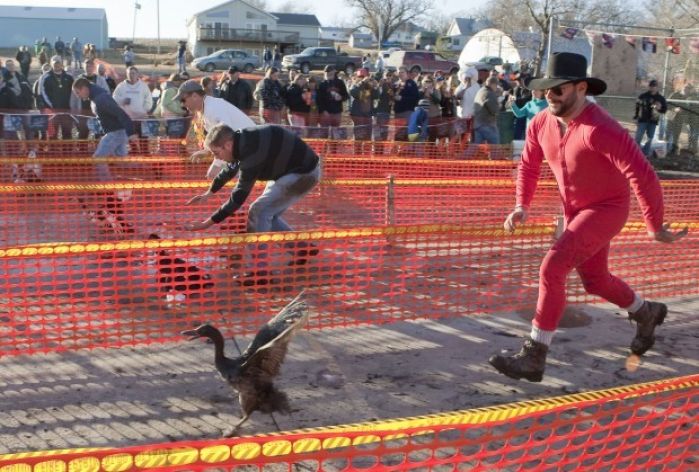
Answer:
(567, 67)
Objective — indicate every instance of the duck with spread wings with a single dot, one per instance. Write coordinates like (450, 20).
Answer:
(252, 374)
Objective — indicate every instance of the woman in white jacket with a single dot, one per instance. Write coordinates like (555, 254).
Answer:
(134, 97)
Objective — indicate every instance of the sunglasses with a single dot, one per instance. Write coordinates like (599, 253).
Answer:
(558, 89)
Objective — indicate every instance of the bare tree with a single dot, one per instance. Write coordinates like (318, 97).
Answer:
(259, 4)
(690, 9)
(293, 6)
(384, 17)
(439, 22)
(675, 14)
(512, 16)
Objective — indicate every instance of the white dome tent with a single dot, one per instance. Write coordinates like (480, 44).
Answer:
(489, 42)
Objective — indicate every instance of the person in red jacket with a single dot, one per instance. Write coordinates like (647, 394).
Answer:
(594, 159)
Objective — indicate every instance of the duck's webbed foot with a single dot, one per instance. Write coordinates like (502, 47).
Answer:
(233, 431)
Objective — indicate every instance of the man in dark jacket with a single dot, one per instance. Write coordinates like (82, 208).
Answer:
(485, 113)
(649, 106)
(8, 100)
(237, 92)
(59, 47)
(298, 101)
(331, 93)
(56, 95)
(405, 99)
(271, 153)
(82, 108)
(116, 124)
(19, 98)
(24, 58)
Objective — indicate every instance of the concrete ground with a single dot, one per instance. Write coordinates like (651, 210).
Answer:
(160, 393)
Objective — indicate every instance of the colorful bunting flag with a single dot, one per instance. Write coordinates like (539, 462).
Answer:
(672, 45)
(608, 40)
(631, 40)
(694, 44)
(569, 33)
(649, 45)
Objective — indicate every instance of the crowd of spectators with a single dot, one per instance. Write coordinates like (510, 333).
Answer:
(371, 104)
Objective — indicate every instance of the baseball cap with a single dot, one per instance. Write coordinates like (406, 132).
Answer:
(56, 59)
(424, 103)
(653, 83)
(329, 68)
(233, 70)
(188, 86)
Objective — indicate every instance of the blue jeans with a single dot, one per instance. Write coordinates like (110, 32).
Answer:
(647, 128)
(265, 213)
(486, 134)
(114, 143)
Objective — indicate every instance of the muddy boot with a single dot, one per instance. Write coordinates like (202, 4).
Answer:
(528, 363)
(652, 314)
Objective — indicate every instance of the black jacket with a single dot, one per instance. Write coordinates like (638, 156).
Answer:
(8, 100)
(265, 152)
(238, 94)
(295, 101)
(57, 90)
(645, 110)
(112, 117)
(324, 98)
(24, 100)
(409, 96)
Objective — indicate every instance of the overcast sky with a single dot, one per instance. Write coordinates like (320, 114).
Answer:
(173, 13)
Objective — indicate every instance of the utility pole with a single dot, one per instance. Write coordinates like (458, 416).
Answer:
(157, 6)
(133, 32)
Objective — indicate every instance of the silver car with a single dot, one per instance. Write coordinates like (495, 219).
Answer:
(225, 58)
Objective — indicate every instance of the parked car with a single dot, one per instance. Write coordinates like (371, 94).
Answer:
(420, 61)
(225, 58)
(318, 58)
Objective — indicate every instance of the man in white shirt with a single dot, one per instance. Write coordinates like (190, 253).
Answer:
(466, 92)
(133, 96)
(213, 111)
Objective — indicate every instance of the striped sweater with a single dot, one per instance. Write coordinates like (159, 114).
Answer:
(265, 152)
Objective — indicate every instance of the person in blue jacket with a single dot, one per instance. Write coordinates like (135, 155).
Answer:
(419, 122)
(531, 108)
(117, 125)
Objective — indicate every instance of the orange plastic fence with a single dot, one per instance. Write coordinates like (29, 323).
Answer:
(176, 147)
(56, 297)
(652, 426)
(82, 212)
(82, 169)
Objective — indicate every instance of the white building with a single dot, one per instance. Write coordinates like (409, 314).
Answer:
(307, 26)
(459, 32)
(23, 25)
(405, 34)
(335, 34)
(361, 40)
(237, 24)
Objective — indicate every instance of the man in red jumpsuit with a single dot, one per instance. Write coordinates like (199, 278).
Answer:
(594, 159)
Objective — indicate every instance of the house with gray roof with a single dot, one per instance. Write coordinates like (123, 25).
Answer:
(238, 24)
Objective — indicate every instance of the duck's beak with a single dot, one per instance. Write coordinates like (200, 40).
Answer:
(192, 333)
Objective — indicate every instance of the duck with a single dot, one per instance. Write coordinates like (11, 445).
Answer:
(177, 277)
(109, 217)
(252, 374)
